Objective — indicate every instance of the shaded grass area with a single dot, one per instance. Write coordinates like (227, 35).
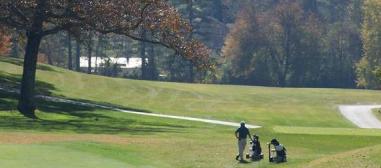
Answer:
(59, 116)
(12, 81)
(19, 62)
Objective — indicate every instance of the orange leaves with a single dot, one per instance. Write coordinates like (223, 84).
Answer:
(5, 43)
(124, 17)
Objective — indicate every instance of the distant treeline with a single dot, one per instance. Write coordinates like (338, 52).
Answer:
(287, 43)
(305, 43)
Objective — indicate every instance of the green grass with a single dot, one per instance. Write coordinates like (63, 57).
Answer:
(63, 156)
(363, 157)
(327, 131)
(307, 121)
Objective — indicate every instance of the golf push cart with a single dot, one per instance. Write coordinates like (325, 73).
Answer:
(277, 152)
(255, 150)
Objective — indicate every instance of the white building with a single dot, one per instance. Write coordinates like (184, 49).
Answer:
(124, 63)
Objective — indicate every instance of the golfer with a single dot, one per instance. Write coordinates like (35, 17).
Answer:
(241, 134)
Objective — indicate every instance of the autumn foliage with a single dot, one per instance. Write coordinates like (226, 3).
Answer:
(295, 43)
(125, 17)
(5, 42)
(39, 18)
(369, 68)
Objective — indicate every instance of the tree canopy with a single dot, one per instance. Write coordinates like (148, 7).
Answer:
(369, 68)
(39, 18)
(290, 43)
(297, 43)
(113, 16)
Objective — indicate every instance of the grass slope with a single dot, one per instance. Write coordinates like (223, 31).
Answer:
(364, 157)
(305, 120)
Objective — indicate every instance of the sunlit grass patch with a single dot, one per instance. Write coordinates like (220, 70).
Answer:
(64, 155)
(368, 157)
(327, 131)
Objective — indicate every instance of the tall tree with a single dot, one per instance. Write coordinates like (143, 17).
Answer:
(88, 40)
(143, 55)
(266, 43)
(368, 69)
(39, 18)
(289, 16)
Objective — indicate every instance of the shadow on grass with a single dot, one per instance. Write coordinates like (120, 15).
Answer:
(64, 116)
(61, 116)
(88, 126)
(7, 101)
(19, 62)
(13, 81)
(111, 105)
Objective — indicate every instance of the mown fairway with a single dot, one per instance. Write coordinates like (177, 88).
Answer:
(307, 121)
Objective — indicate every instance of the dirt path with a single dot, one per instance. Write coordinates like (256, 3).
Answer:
(361, 115)
(218, 122)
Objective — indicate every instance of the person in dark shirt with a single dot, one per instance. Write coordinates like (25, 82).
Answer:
(241, 134)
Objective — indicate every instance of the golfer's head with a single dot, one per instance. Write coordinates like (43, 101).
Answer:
(242, 123)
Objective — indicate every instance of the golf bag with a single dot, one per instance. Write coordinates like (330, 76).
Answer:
(255, 151)
(277, 153)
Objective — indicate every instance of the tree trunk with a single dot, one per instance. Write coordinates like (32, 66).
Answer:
(96, 64)
(152, 72)
(286, 58)
(172, 68)
(70, 59)
(191, 17)
(26, 104)
(191, 72)
(97, 52)
(15, 45)
(143, 56)
(49, 54)
(89, 52)
(78, 56)
(283, 75)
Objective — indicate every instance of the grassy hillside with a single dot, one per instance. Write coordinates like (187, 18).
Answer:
(307, 121)
(259, 105)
